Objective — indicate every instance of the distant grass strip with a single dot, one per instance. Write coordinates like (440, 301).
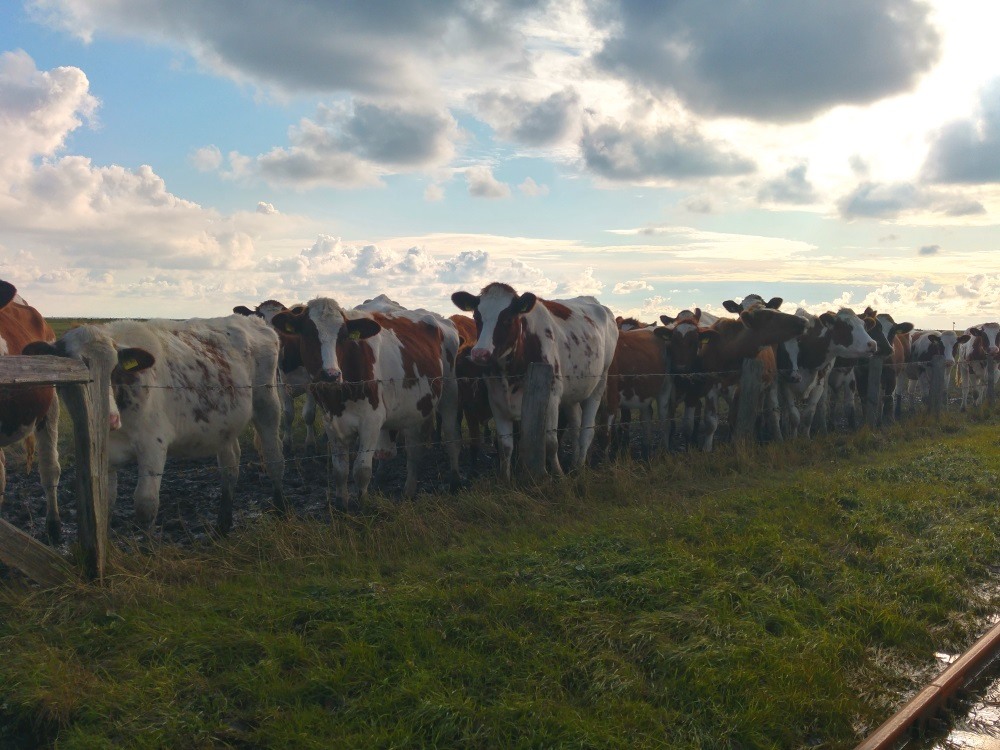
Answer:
(774, 597)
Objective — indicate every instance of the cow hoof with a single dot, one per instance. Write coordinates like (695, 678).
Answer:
(53, 530)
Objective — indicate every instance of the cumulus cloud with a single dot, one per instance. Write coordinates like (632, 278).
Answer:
(584, 284)
(353, 146)
(206, 159)
(267, 209)
(968, 151)
(483, 184)
(378, 47)
(792, 187)
(627, 287)
(532, 189)
(534, 122)
(773, 60)
(888, 200)
(433, 193)
(635, 153)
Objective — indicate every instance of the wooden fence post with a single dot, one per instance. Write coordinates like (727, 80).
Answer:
(872, 398)
(938, 385)
(89, 406)
(991, 373)
(751, 387)
(534, 419)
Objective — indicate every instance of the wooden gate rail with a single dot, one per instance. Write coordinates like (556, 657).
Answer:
(88, 405)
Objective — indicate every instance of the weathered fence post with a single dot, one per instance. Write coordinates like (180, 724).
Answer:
(938, 385)
(534, 419)
(89, 407)
(872, 397)
(991, 373)
(751, 387)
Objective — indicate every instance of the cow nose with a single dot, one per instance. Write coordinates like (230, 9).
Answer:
(330, 376)
(994, 351)
(116, 421)
(872, 346)
(795, 377)
(480, 355)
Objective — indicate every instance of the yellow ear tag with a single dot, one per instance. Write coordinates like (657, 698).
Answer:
(355, 335)
(289, 328)
(130, 364)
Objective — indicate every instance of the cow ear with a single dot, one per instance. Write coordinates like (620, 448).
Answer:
(697, 314)
(242, 310)
(868, 313)
(40, 347)
(902, 328)
(774, 303)
(707, 336)
(870, 323)
(7, 293)
(618, 320)
(667, 320)
(663, 333)
(732, 306)
(828, 319)
(976, 331)
(465, 301)
(290, 321)
(963, 338)
(361, 328)
(525, 303)
(133, 359)
(934, 338)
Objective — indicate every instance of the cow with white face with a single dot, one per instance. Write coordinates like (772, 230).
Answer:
(577, 337)
(974, 360)
(805, 362)
(378, 369)
(924, 346)
(184, 389)
(752, 302)
(291, 375)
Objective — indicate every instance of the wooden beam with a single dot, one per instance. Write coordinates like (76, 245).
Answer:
(42, 369)
(40, 563)
(751, 387)
(872, 398)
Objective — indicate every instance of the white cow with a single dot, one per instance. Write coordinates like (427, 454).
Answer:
(974, 356)
(186, 389)
(376, 369)
(576, 336)
(924, 346)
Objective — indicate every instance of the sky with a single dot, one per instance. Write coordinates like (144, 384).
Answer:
(174, 158)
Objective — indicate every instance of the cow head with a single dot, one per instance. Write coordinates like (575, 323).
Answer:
(987, 338)
(497, 311)
(324, 329)
(849, 337)
(125, 363)
(945, 343)
(7, 293)
(771, 326)
(680, 335)
(752, 302)
(266, 310)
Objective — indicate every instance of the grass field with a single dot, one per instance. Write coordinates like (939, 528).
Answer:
(757, 597)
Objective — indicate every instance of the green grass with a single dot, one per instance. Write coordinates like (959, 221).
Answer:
(758, 597)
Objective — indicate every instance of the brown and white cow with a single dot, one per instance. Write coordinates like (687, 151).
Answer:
(924, 346)
(805, 362)
(897, 337)
(639, 379)
(184, 389)
(374, 371)
(974, 358)
(576, 336)
(849, 376)
(752, 302)
(681, 337)
(26, 412)
(292, 376)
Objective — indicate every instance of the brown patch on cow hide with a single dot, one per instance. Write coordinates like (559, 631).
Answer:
(557, 308)
(20, 325)
(422, 343)
(638, 368)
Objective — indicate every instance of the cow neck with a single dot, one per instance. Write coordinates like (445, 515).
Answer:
(814, 348)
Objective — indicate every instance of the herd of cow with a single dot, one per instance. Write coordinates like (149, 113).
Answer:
(379, 373)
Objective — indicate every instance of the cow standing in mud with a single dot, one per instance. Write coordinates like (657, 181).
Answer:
(577, 337)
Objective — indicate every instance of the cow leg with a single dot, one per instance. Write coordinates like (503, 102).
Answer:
(309, 417)
(414, 437)
(49, 470)
(152, 459)
(710, 421)
(368, 436)
(229, 467)
(687, 425)
(552, 434)
(646, 421)
(266, 416)
(588, 421)
(287, 417)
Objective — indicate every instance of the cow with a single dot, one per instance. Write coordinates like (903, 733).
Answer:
(376, 370)
(681, 337)
(473, 399)
(724, 346)
(975, 356)
(293, 377)
(752, 302)
(924, 346)
(639, 379)
(29, 412)
(849, 375)
(896, 335)
(631, 324)
(184, 389)
(805, 362)
(577, 337)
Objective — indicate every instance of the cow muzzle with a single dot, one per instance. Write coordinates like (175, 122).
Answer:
(994, 351)
(794, 377)
(115, 420)
(330, 376)
(480, 356)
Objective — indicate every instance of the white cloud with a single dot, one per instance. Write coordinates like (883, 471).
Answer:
(206, 159)
(482, 183)
(267, 209)
(532, 189)
(433, 193)
(627, 287)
